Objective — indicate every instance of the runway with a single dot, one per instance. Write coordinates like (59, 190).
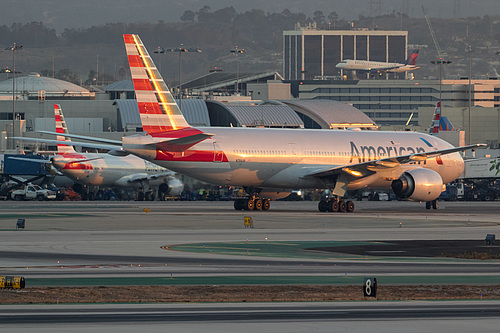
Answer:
(113, 240)
(269, 317)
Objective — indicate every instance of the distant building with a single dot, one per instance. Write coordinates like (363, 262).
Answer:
(312, 54)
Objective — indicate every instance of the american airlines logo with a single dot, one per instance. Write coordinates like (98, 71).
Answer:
(367, 153)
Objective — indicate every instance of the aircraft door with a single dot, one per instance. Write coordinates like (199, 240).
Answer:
(218, 153)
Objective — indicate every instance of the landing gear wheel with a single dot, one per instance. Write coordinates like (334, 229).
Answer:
(342, 206)
(238, 204)
(333, 206)
(140, 196)
(427, 205)
(266, 204)
(349, 206)
(434, 204)
(249, 204)
(257, 204)
(322, 206)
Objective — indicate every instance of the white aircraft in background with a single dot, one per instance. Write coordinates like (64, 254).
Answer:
(377, 66)
(270, 163)
(104, 170)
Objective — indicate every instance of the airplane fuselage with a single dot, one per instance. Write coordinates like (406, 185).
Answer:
(103, 169)
(282, 158)
(365, 65)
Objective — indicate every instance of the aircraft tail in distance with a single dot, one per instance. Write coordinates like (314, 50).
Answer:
(445, 125)
(439, 123)
(61, 128)
(158, 110)
(412, 58)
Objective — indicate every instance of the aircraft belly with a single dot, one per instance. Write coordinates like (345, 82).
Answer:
(210, 172)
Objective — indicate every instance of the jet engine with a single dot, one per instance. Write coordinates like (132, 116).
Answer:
(418, 185)
(77, 187)
(173, 187)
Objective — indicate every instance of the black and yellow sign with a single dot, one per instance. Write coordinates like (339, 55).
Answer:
(14, 282)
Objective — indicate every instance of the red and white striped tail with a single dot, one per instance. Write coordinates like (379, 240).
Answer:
(158, 109)
(62, 129)
(434, 130)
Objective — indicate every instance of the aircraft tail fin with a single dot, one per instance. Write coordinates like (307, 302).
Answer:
(434, 128)
(158, 110)
(439, 123)
(61, 128)
(412, 58)
(445, 125)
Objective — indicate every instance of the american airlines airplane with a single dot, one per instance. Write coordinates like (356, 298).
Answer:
(377, 66)
(269, 163)
(104, 170)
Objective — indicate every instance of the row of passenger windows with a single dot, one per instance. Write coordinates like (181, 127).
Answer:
(251, 152)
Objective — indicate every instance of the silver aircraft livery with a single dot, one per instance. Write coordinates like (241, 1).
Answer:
(270, 163)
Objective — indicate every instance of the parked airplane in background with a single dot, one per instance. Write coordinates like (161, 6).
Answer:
(269, 163)
(104, 170)
(377, 66)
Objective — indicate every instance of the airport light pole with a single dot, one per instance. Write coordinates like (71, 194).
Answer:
(470, 92)
(440, 62)
(237, 51)
(14, 47)
(181, 50)
(160, 51)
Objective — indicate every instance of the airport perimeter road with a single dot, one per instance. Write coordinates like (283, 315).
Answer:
(373, 317)
(119, 239)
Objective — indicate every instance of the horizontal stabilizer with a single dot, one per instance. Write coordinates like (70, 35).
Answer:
(35, 160)
(183, 143)
(73, 143)
(83, 137)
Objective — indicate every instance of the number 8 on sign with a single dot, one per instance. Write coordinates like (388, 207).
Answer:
(370, 287)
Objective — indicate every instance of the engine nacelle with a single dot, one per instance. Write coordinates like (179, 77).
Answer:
(78, 188)
(418, 185)
(173, 187)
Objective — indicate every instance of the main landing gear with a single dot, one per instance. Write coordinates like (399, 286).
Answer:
(336, 205)
(433, 204)
(252, 204)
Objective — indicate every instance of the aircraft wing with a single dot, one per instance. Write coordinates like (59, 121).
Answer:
(160, 175)
(113, 148)
(359, 170)
(144, 177)
(90, 138)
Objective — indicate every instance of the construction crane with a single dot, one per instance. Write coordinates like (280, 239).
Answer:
(436, 43)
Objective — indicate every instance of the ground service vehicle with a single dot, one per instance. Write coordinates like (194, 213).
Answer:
(33, 192)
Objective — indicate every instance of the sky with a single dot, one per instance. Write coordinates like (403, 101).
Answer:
(62, 14)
